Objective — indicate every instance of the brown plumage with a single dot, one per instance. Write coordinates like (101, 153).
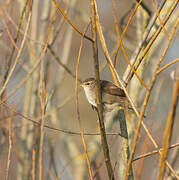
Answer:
(112, 95)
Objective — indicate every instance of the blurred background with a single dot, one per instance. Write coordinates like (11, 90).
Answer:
(38, 55)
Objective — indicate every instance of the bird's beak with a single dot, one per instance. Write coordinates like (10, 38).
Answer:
(81, 84)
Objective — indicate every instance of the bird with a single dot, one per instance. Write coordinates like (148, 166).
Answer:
(112, 96)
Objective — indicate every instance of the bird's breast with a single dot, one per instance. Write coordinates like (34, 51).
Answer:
(91, 96)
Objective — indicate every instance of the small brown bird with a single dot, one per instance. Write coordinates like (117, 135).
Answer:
(112, 96)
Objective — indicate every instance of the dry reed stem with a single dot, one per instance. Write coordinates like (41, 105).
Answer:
(97, 90)
(42, 104)
(21, 83)
(10, 144)
(84, 134)
(169, 128)
(9, 61)
(174, 158)
(33, 164)
(29, 37)
(122, 120)
(9, 33)
(43, 98)
(146, 101)
(154, 143)
(18, 55)
(77, 107)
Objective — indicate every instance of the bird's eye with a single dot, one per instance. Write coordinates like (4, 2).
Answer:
(87, 83)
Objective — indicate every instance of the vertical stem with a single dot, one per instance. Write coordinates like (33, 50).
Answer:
(169, 127)
(98, 94)
(125, 143)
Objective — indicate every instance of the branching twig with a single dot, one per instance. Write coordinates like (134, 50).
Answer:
(167, 65)
(141, 43)
(146, 101)
(150, 43)
(53, 128)
(17, 57)
(153, 152)
(64, 15)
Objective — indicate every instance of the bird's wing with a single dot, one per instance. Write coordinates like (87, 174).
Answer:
(110, 88)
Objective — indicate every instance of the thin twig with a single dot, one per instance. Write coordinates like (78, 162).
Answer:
(158, 16)
(43, 100)
(74, 27)
(61, 63)
(17, 57)
(53, 128)
(42, 103)
(167, 65)
(21, 83)
(9, 34)
(10, 144)
(153, 152)
(124, 32)
(33, 164)
(77, 107)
